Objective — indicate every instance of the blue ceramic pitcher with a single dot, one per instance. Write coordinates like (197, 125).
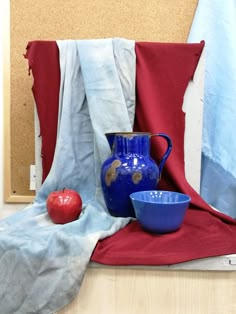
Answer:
(129, 169)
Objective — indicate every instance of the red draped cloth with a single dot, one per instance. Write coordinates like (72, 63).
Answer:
(162, 75)
(43, 57)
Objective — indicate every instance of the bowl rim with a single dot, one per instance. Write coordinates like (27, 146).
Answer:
(188, 198)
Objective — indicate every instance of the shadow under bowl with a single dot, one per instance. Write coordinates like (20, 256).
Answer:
(160, 211)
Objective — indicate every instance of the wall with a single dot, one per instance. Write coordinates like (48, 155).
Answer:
(5, 209)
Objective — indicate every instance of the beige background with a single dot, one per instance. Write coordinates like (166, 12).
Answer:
(141, 20)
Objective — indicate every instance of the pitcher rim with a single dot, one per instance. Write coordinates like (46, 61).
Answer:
(126, 132)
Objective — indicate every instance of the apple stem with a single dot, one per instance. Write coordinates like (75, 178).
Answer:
(64, 189)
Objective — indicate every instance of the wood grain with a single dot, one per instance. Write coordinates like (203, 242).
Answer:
(128, 291)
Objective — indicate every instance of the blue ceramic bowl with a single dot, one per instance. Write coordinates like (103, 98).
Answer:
(160, 211)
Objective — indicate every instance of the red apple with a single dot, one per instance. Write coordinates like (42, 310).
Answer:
(64, 206)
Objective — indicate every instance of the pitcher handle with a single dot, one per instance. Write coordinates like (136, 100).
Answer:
(167, 152)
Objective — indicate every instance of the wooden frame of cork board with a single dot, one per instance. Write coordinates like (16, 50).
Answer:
(162, 21)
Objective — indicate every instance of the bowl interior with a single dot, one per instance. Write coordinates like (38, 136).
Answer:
(161, 197)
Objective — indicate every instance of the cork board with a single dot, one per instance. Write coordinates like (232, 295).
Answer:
(148, 20)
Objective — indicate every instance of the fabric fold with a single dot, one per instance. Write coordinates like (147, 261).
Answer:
(47, 261)
(44, 63)
(163, 71)
(215, 22)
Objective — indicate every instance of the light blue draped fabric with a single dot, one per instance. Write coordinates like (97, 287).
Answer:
(215, 22)
(42, 264)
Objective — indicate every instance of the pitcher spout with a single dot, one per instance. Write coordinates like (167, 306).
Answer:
(110, 138)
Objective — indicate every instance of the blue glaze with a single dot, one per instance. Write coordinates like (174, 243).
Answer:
(129, 169)
(160, 211)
